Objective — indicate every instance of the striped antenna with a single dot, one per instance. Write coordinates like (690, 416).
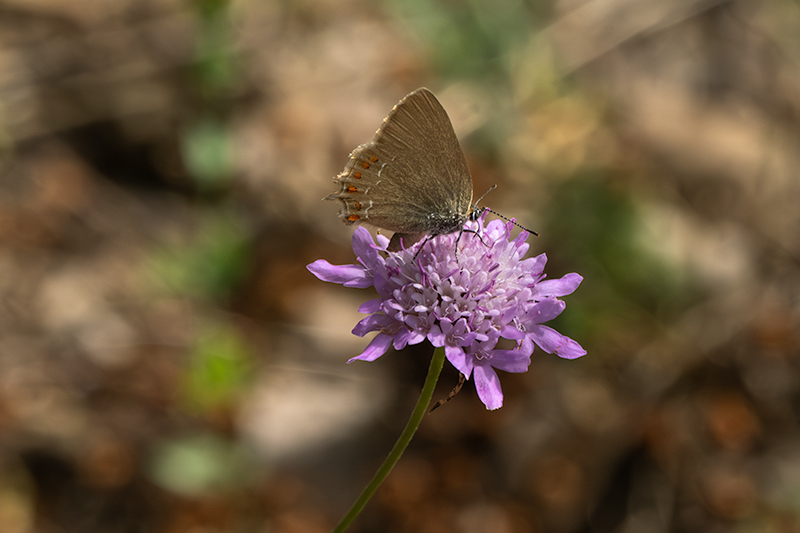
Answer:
(513, 222)
(477, 211)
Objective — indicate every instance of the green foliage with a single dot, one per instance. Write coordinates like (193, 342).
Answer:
(210, 267)
(597, 226)
(469, 39)
(207, 150)
(200, 464)
(206, 143)
(219, 368)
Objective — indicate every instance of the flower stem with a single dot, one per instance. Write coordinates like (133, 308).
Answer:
(402, 442)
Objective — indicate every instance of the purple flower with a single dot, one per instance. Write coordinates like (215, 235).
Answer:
(465, 302)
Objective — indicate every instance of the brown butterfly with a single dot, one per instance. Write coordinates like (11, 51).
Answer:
(412, 178)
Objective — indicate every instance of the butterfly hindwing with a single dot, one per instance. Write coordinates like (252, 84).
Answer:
(412, 178)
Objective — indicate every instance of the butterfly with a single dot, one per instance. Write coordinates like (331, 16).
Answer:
(412, 178)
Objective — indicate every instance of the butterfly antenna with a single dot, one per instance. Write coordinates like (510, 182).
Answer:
(493, 187)
(477, 212)
(512, 221)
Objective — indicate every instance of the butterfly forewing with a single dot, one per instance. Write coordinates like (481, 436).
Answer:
(412, 178)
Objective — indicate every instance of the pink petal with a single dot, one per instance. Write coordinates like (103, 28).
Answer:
(544, 311)
(488, 386)
(552, 341)
(460, 360)
(510, 332)
(383, 241)
(526, 346)
(376, 348)
(436, 336)
(415, 336)
(557, 287)
(535, 265)
(348, 275)
(400, 339)
(364, 246)
(371, 306)
(371, 323)
(382, 284)
(510, 361)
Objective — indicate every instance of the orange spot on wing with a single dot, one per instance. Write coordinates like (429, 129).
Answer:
(365, 165)
(373, 159)
(358, 206)
(353, 218)
(351, 188)
(357, 175)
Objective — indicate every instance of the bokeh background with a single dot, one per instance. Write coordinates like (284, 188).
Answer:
(167, 364)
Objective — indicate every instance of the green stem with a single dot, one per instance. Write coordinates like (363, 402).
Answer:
(400, 446)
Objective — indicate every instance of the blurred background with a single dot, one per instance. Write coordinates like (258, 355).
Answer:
(167, 364)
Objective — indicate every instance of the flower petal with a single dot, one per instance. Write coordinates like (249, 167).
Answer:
(510, 332)
(382, 284)
(488, 386)
(460, 360)
(372, 323)
(436, 336)
(557, 287)
(364, 247)
(376, 348)
(348, 275)
(543, 311)
(526, 346)
(510, 360)
(383, 241)
(400, 340)
(552, 341)
(371, 306)
(415, 337)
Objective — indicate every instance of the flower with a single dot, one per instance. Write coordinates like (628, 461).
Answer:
(465, 301)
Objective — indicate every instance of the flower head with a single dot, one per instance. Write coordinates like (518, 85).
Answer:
(465, 301)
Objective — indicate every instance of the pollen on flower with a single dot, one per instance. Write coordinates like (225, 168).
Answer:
(465, 303)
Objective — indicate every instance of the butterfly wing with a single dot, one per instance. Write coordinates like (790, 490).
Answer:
(412, 178)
